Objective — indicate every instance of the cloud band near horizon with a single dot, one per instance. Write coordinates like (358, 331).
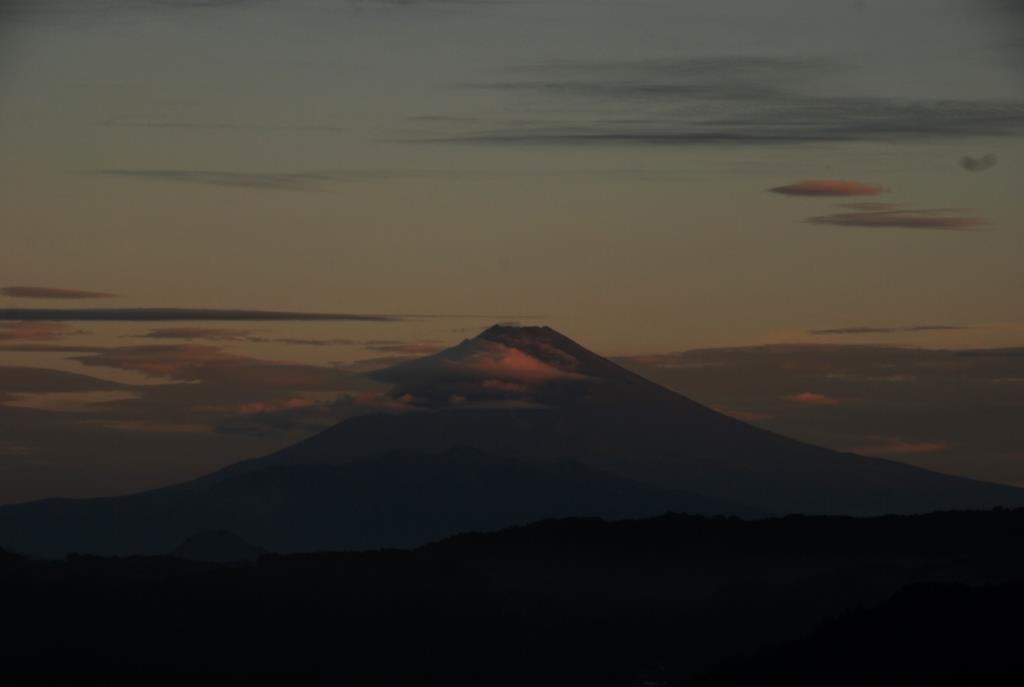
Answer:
(180, 315)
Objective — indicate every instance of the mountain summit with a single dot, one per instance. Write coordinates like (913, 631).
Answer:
(511, 365)
(516, 424)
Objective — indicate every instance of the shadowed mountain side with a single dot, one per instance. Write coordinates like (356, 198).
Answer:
(715, 456)
(397, 500)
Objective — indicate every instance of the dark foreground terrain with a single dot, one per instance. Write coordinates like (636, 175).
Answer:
(675, 600)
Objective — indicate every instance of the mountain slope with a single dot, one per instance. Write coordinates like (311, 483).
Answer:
(395, 500)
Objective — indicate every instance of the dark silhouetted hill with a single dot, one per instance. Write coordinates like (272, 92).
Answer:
(928, 634)
(220, 547)
(675, 600)
(394, 501)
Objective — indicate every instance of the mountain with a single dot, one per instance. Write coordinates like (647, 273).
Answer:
(530, 393)
(394, 500)
(517, 424)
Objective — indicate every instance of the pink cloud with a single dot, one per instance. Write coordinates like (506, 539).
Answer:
(810, 398)
(274, 406)
(506, 387)
(36, 331)
(750, 416)
(492, 361)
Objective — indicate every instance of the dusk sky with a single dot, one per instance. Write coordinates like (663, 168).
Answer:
(806, 213)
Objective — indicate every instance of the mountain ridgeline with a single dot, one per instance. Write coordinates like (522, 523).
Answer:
(516, 425)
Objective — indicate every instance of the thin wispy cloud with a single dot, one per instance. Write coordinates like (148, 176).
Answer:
(277, 181)
(52, 293)
(178, 315)
(927, 220)
(134, 122)
(811, 398)
(235, 335)
(730, 101)
(411, 348)
(197, 334)
(35, 331)
(887, 330)
(282, 181)
(828, 188)
(979, 164)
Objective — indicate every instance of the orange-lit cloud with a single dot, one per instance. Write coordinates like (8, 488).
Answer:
(36, 331)
(176, 362)
(274, 406)
(828, 188)
(507, 387)
(887, 330)
(810, 398)
(425, 347)
(750, 416)
(69, 401)
(46, 292)
(198, 333)
(239, 335)
(214, 365)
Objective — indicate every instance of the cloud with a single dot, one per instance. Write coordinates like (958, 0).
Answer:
(500, 362)
(184, 362)
(887, 330)
(810, 398)
(36, 331)
(266, 181)
(478, 373)
(828, 187)
(238, 335)
(197, 333)
(278, 181)
(412, 348)
(69, 401)
(731, 101)
(31, 380)
(211, 364)
(290, 415)
(929, 220)
(46, 292)
(48, 348)
(979, 164)
(178, 315)
(479, 360)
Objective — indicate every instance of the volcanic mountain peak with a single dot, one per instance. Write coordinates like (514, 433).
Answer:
(555, 349)
(503, 364)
